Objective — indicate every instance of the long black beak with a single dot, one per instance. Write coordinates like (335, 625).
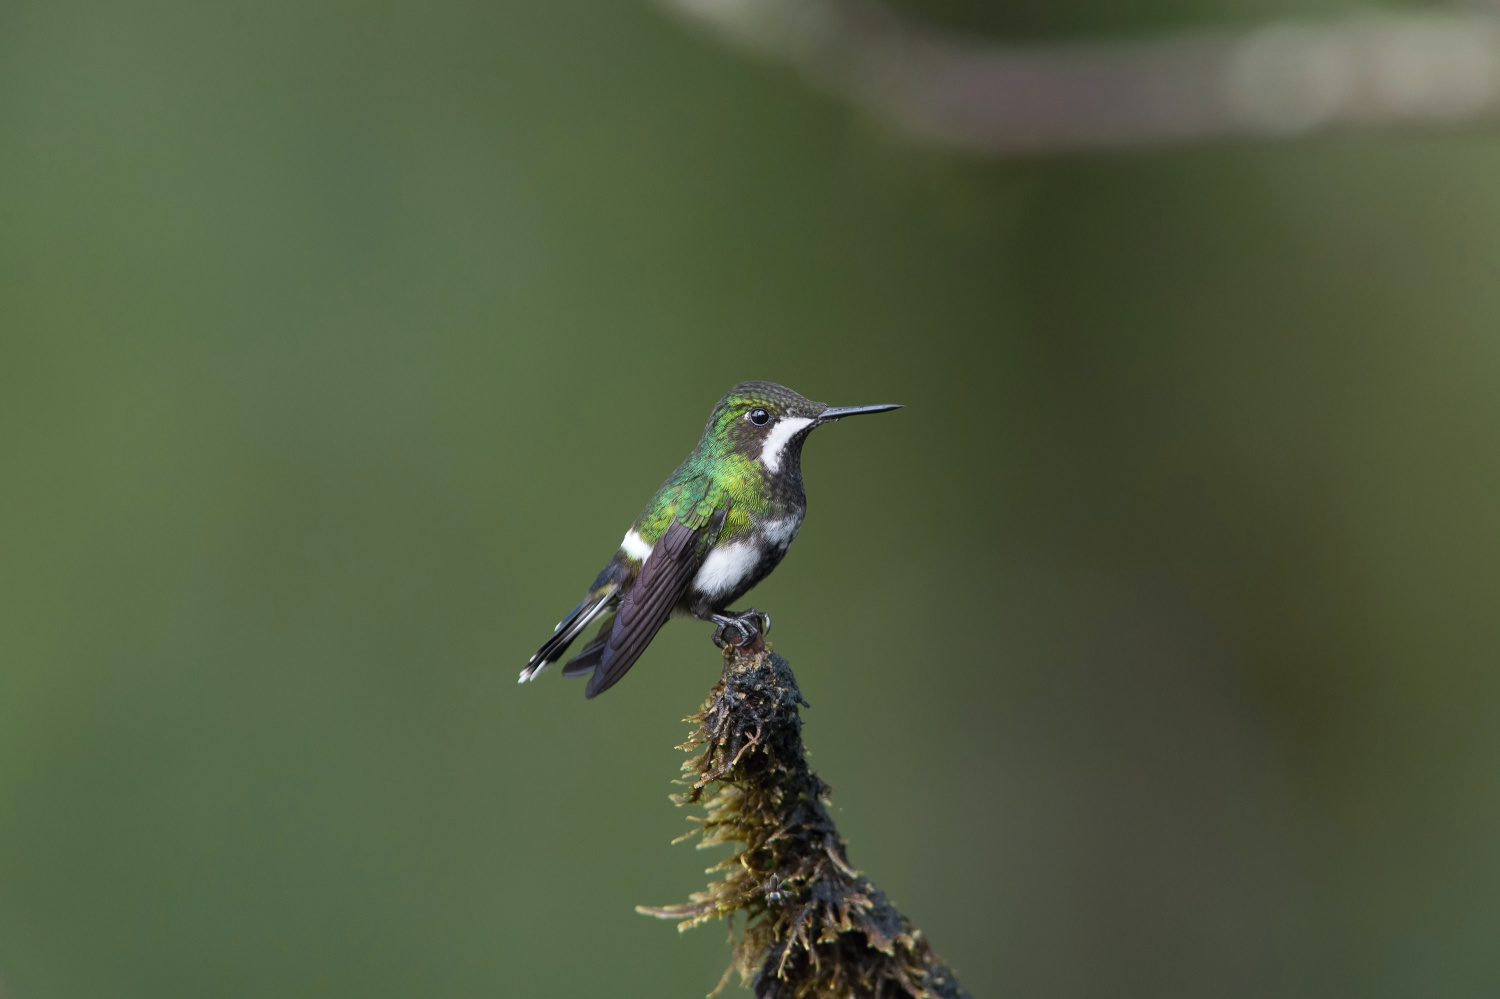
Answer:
(839, 412)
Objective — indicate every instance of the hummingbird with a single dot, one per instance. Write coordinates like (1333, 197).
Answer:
(715, 528)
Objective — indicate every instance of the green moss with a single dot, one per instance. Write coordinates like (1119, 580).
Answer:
(811, 926)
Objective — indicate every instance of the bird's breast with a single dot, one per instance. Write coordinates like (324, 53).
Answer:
(735, 566)
(727, 568)
(779, 533)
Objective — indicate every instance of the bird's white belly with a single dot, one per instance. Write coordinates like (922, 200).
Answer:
(729, 567)
(726, 567)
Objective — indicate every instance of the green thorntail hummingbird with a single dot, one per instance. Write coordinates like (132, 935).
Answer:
(717, 527)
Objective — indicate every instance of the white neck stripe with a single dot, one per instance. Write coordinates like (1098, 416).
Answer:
(777, 440)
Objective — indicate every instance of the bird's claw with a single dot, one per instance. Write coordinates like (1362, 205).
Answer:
(748, 625)
(721, 633)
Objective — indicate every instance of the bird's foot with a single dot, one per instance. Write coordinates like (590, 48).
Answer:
(742, 630)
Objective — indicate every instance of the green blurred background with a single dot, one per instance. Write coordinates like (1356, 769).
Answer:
(1152, 649)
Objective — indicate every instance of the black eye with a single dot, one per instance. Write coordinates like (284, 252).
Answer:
(759, 417)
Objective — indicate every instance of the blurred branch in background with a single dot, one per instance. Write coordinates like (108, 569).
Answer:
(814, 926)
(1284, 79)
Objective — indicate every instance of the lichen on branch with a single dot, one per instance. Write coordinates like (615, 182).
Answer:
(812, 925)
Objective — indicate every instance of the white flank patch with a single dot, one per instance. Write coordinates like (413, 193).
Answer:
(635, 546)
(725, 567)
(780, 533)
(776, 441)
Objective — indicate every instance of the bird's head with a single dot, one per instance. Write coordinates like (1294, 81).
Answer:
(767, 423)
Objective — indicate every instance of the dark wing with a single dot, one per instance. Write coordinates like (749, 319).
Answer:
(588, 660)
(603, 595)
(673, 562)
